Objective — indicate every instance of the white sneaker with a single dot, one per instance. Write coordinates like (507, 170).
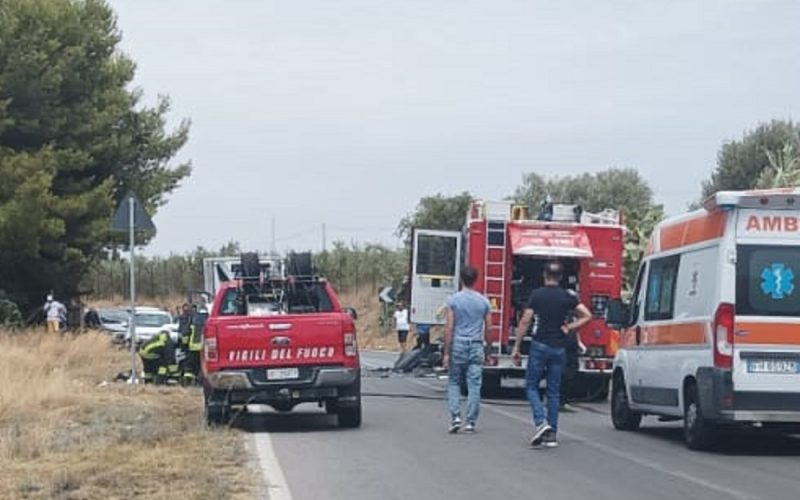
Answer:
(539, 432)
(470, 428)
(549, 440)
(455, 425)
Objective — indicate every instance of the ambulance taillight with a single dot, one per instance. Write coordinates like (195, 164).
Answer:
(723, 335)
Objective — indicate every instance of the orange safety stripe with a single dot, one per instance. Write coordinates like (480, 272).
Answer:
(690, 232)
(768, 333)
(678, 334)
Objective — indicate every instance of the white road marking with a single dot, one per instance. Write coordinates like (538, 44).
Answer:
(637, 460)
(277, 487)
(619, 454)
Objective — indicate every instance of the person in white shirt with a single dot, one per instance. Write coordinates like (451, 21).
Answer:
(401, 325)
(54, 311)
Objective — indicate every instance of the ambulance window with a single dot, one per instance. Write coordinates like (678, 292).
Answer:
(766, 280)
(660, 299)
(637, 295)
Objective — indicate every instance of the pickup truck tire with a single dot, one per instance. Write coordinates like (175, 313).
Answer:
(622, 417)
(349, 417)
(216, 410)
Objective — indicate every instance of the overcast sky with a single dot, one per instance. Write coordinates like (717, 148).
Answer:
(346, 112)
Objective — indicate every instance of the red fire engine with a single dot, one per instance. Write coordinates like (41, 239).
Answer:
(510, 249)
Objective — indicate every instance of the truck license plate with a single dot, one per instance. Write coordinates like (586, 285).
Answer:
(784, 366)
(282, 373)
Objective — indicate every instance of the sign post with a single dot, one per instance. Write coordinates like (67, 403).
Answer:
(386, 296)
(130, 217)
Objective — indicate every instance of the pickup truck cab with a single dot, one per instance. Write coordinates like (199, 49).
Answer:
(280, 342)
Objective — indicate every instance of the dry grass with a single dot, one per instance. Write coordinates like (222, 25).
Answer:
(65, 435)
(370, 332)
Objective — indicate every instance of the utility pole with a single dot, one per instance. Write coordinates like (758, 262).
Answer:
(324, 239)
(132, 322)
(129, 217)
(272, 245)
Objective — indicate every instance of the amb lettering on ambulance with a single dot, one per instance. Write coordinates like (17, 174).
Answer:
(714, 329)
(772, 224)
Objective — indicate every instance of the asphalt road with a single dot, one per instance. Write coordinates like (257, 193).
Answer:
(404, 452)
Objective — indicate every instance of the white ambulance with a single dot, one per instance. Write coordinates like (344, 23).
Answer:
(713, 332)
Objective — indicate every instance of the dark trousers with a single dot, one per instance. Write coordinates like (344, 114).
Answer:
(548, 361)
(150, 368)
(191, 364)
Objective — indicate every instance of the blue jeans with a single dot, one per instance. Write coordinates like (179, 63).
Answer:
(549, 360)
(466, 361)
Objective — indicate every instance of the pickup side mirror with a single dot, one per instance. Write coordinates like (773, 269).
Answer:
(618, 314)
(351, 311)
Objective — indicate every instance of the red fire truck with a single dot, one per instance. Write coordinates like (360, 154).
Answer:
(510, 249)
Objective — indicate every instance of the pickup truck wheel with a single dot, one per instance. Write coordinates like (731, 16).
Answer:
(216, 410)
(623, 418)
(698, 432)
(217, 414)
(349, 417)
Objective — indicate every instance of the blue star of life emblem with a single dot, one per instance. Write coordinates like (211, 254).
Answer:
(777, 281)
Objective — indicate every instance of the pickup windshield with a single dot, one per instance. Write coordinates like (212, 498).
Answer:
(302, 298)
(765, 280)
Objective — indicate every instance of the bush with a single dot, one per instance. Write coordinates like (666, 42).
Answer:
(10, 315)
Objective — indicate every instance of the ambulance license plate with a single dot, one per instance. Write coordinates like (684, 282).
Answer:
(780, 366)
(282, 373)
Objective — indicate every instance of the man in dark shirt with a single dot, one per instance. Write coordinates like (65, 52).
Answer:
(551, 305)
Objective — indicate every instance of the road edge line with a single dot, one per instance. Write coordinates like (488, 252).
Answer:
(275, 481)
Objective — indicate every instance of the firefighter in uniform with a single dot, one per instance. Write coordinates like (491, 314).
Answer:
(191, 345)
(158, 358)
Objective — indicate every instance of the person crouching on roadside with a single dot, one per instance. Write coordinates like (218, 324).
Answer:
(158, 359)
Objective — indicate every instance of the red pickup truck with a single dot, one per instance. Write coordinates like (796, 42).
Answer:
(281, 342)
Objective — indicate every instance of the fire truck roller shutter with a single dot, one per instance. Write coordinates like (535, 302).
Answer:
(556, 243)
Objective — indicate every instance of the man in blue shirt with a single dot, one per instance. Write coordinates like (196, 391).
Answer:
(467, 334)
(552, 305)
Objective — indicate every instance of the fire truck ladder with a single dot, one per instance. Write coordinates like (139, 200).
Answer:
(494, 274)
